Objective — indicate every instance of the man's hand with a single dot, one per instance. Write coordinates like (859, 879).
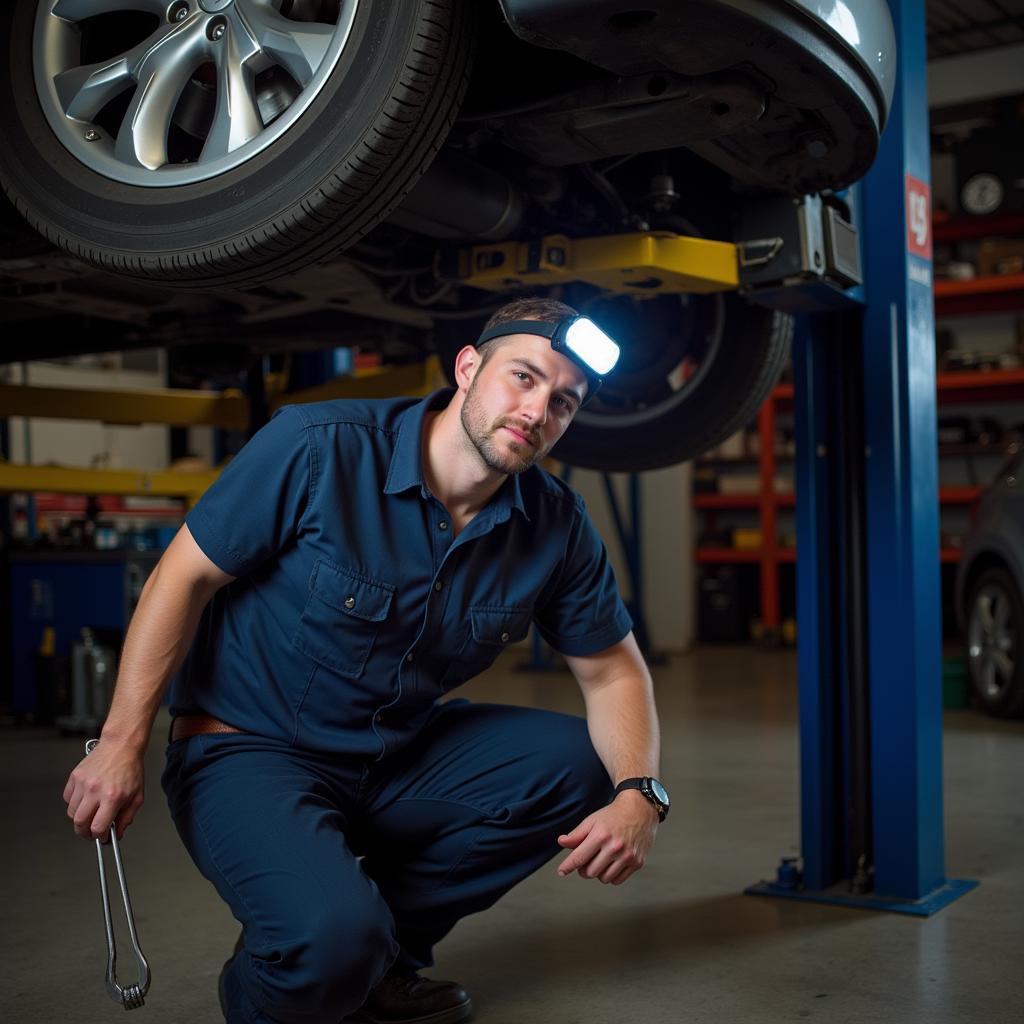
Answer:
(612, 843)
(107, 785)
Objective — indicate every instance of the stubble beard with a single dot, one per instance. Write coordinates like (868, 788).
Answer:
(508, 457)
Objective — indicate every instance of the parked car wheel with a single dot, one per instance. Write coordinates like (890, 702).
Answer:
(995, 643)
(222, 141)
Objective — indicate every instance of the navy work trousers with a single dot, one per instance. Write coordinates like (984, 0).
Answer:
(338, 868)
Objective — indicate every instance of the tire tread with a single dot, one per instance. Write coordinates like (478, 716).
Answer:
(379, 171)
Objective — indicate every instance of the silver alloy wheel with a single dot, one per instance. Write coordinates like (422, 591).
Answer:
(228, 77)
(992, 642)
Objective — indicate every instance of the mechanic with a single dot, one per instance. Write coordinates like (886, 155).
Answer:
(356, 561)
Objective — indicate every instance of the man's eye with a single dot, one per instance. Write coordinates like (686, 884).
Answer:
(521, 375)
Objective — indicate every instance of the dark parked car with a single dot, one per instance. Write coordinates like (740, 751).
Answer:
(990, 593)
(276, 173)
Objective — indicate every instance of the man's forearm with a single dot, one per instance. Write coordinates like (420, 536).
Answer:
(623, 726)
(107, 787)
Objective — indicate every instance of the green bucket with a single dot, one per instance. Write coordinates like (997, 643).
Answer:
(955, 684)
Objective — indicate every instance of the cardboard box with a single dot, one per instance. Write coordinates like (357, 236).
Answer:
(1001, 256)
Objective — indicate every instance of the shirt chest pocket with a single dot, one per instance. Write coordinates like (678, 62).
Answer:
(343, 614)
(491, 630)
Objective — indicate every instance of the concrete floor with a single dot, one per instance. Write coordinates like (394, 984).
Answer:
(677, 943)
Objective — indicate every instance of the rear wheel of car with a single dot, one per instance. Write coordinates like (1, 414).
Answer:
(694, 370)
(995, 638)
(213, 142)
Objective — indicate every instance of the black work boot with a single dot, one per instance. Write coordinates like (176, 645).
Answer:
(403, 997)
(220, 977)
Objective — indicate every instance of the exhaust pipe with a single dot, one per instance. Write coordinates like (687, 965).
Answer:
(458, 199)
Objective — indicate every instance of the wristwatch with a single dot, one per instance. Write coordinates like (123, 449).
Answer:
(652, 790)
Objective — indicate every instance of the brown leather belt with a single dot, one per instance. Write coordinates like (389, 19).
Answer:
(184, 726)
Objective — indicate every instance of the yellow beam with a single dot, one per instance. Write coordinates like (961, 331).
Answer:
(170, 406)
(378, 382)
(644, 263)
(63, 480)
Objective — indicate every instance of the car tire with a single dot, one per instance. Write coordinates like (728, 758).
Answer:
(377, 105)
(641, 420)
(995, 643)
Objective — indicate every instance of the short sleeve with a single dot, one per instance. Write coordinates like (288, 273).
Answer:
(254, 508)
(584, 613)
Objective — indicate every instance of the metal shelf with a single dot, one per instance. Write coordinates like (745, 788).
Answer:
(995, 293)
(980, 386)
(965, 229)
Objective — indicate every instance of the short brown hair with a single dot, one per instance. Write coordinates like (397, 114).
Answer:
(534, 307)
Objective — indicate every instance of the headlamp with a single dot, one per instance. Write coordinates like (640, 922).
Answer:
(576, 337)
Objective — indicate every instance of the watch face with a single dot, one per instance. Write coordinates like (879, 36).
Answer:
(982, 193)
(659, 792)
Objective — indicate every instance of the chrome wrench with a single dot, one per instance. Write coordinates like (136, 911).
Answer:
(130, 997)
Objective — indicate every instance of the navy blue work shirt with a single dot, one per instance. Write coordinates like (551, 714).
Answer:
(355, 606)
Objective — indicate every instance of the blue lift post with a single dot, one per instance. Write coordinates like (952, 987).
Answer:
(868, 584)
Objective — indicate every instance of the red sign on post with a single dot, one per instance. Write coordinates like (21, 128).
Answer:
(919, 218)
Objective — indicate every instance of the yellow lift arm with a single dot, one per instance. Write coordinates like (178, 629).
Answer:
(60, 480)
(170, 406)
(173, 407)
(642, 263)
(376, 382)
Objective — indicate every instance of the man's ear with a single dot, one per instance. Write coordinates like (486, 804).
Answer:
(467, 362)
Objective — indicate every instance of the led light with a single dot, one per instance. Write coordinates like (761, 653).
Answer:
(591, 345)
(576, 337)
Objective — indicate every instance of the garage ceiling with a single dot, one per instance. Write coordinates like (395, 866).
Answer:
(955, 26)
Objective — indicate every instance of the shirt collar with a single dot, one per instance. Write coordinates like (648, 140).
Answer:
(406, 467)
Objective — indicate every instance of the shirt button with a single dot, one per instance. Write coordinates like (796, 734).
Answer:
(443, 525)
(408, 658)
(504, 638)
(438, 585)
(350, 602)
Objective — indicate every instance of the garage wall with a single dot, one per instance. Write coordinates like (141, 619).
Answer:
(82, 443)
(670, 586)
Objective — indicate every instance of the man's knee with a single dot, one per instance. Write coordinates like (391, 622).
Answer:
(326, 970)
(563, 765)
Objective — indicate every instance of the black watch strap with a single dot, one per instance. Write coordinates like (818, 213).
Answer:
(643, 783)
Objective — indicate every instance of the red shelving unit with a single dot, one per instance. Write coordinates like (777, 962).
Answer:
(994, 293)
(959, 495)
(962, 387)
(981, 386)
(768, 501)
(965, 229)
